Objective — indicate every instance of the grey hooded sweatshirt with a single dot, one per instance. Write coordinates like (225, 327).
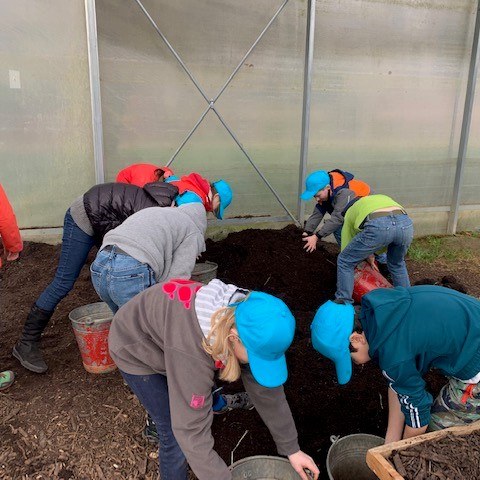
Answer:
(168, 239)
(161, 331)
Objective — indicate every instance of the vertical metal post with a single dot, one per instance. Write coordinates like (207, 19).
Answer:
(94, 71)
(307, 89)
(467, 116)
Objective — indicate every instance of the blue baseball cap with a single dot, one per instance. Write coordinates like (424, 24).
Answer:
(266, 328)
(187, 197)
(315, 181)
(331, 330)
(225, 192)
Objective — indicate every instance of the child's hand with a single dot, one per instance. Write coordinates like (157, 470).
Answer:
(311, 243)
(301, 461)
(372, 263)
(12, 256)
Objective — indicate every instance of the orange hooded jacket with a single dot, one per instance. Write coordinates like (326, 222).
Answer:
(9, 232)
(140, 174)
(195, 183)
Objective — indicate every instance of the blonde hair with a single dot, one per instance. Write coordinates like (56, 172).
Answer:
(218, 345)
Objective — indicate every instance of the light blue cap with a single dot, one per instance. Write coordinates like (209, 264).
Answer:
(187, 197)
(266, 328)
(172, 178)
(225, 192)
(331, 330)
(315, 181)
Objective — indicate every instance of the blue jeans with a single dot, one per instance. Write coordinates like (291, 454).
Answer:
(394, 232)
(152, 391)
(381, 258)
(118, 277)
(76, 245)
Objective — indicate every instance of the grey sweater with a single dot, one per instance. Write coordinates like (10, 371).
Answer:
(168, 239)
(339, 202)
(158, 332)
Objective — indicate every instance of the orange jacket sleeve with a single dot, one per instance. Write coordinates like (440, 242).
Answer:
(9, 232)
(138, 174)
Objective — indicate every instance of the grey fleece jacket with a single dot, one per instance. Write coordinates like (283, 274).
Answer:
(339, 202)
(158, 332)
(168, 239)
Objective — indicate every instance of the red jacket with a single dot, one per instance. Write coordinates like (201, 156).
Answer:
(9, 232)
(140, 174)
(195, 183)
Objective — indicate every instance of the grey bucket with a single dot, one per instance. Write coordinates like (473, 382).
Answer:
(204, 272)
(346, 458)
(263, 467)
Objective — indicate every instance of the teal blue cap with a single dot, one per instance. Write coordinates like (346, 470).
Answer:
(172, 178)
(315, 181)
(187, 197)
(331, 330)
(225, 192)
(266, 328)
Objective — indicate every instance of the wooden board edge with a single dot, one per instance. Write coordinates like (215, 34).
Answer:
(381, 467)
(386, 450)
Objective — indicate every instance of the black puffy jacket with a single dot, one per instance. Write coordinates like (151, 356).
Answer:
(109, 204)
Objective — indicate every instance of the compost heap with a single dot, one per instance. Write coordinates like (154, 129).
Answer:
(67, 402)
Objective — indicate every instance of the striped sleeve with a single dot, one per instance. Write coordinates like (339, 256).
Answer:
(406, 381)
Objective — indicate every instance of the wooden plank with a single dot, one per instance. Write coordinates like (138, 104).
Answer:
(377, 457)
(381, 467)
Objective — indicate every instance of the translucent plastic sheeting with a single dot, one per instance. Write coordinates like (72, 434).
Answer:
(45, 119)
(150, 104)
(388, 94)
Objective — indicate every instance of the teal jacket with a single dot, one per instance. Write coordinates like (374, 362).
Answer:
(410, 330)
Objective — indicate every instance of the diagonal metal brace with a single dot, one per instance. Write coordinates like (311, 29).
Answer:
(211, 103)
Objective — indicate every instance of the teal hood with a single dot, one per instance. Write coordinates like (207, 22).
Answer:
(383, 310)
(433, 326)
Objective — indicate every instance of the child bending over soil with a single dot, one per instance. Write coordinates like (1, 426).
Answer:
(142, 173)
(373, 224)
(333, 191)
(88, 219)
(408, 331)
(178, 333)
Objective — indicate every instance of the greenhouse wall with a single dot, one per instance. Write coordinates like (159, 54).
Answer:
(387, 101)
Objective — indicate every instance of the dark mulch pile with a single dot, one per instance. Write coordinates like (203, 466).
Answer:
(68, 423)
(449, 458)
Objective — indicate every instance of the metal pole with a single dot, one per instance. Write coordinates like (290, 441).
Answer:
(255, 167)
(282, 6)
(96, 102)
(211, 103)
(307, 90)
(174, 53)
(467, 116)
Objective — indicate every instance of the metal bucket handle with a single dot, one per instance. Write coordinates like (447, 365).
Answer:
(334, 438)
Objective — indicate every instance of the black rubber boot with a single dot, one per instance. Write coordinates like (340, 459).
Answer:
(27, 349)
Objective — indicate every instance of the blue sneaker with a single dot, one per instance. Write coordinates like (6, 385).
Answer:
(235, 401)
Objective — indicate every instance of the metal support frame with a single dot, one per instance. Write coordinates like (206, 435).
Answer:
(211, 102)
(94, 72)
(467, 116)
(307, 90)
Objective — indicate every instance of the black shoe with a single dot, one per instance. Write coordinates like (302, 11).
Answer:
(150, 433)
(27, 349)
(29, 355)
